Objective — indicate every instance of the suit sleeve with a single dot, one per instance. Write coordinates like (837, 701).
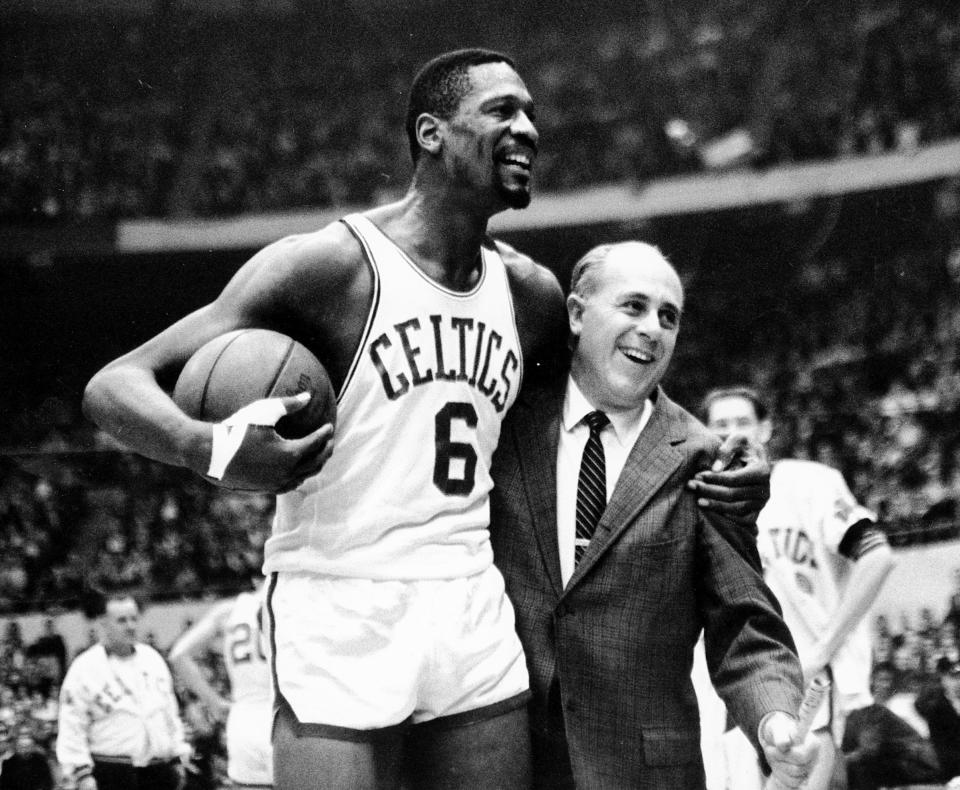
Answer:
(750, 653)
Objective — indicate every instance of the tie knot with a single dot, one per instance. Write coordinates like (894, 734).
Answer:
(596, 421)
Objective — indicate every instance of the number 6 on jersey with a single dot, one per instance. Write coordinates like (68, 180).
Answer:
(449, 451)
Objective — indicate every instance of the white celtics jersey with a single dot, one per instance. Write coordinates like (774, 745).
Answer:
(801, 527)
(405, 494)
(244, 650)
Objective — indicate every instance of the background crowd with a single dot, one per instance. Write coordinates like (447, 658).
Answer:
(281, 109)
(845, 312)
(857, 346)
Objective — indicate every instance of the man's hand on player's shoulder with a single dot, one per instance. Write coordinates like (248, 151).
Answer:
(738, 484)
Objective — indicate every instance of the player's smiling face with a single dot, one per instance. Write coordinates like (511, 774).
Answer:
(492, 141)
(626, 323)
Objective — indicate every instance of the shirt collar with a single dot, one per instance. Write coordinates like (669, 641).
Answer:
(114, 654)
(626, 427)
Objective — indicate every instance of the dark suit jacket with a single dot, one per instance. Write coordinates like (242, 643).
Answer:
(619, 638)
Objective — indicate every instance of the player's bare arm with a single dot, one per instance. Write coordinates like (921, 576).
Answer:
(315, 288)
(873, 562)
(183, 661)
(540, 312)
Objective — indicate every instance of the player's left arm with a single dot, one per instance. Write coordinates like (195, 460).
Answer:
(185, 666)
(539, 311)
(738, 483)
(865, 544)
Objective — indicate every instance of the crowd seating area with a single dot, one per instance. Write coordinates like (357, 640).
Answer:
(116, 520)
(150, 115)
(856, 346)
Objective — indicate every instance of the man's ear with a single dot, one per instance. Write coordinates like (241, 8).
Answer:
(575, 307)
(428, 133)
(765, 431)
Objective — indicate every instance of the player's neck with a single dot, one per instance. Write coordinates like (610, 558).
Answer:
(445, 243)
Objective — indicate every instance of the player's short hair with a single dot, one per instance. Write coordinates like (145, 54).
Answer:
(747, 393)
(441, 84)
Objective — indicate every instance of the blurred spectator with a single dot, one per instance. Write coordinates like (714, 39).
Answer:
(940, 706)
(952, 618)
(880, 748)
(28, 767)
(51, 650)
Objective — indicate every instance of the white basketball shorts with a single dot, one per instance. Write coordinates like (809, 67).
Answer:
(361, 654)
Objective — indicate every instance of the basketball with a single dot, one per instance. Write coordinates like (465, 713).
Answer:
(245, 365)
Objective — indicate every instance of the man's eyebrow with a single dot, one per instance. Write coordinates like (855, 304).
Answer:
(511, 98)
(640, 296)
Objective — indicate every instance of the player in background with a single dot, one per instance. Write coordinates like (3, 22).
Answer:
(236, 627)
(392, 639)
(825, 559)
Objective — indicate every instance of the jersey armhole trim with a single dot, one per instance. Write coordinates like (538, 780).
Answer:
(371, 313)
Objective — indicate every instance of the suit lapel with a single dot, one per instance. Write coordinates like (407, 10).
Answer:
(652, 460)
(539, 433)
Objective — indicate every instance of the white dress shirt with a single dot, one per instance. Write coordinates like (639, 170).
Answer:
(617, 439)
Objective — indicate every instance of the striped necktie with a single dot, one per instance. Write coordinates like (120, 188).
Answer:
(592, 485)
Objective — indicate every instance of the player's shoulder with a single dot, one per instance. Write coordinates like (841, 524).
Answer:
(803, 471)
(526, 276)
(538, 309)
(90, 655)
(327, 265)
(150, 655)
(243, 602)
(330, 250)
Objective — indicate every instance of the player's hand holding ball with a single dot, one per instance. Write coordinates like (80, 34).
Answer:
(272, 407)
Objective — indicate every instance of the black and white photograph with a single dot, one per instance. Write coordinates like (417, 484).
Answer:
(480, 395)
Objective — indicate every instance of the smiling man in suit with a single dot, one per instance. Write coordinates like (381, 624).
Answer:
(612, 567)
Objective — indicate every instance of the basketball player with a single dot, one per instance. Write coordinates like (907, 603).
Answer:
(825, 559)
(236, 624)
(393, 644)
